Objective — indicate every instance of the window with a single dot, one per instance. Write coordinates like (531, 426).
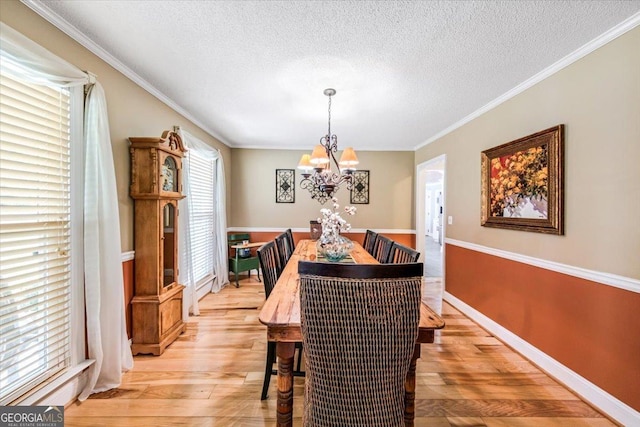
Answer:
(202, 187)
(36, 222)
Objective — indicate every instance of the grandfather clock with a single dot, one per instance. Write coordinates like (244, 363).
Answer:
(156, 185)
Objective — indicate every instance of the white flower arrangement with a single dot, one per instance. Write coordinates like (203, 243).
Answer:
(332, 222)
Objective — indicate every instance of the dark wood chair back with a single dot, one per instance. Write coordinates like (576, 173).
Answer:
(401, 254)
(359, 329)
(270, 266)
(271, 270)
(292, 244)
(369, 241)
(381, 248)
(284, 253)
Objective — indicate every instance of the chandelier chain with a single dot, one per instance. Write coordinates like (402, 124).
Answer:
(329, 134)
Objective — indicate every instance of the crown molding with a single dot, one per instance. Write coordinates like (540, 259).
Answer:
(63, 25)
(615, 32)
(67, 28)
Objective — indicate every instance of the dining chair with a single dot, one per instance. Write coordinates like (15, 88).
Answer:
(270, 266)
(359, 329)
(400, 254)
(381, 248)
(284, 252)
(292, 244)
(369, 241)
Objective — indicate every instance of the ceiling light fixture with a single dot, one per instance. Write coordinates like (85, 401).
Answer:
(318, 175)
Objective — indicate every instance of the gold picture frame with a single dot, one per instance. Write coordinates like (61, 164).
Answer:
(523, 183)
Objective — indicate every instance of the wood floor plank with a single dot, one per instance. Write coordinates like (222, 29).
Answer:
(178, 377)
(437, 391)
(546, 422)
(212, 376)
(497, 378)
(504, 408)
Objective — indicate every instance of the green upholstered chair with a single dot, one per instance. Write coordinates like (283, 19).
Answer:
(241, 259)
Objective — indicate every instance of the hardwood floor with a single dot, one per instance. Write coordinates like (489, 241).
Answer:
(212, 376)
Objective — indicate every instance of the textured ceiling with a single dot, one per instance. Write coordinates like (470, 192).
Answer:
(252, 73)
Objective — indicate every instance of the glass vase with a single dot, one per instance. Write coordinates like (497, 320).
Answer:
(333, 248)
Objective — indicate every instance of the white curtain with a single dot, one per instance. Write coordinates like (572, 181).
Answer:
(104, 294)
(221, 250)
(29, 61)
(187, 276)
(104, 288)
(220, 229)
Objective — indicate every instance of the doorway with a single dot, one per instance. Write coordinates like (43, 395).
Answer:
(430, 209)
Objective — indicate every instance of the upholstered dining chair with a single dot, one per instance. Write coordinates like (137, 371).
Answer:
(270, 266)
(369, 241)
(381, 248)
(359, 329)
(400, 254)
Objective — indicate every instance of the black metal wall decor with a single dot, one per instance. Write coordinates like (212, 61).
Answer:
(316, 192)
(360, 188)
(285, 185)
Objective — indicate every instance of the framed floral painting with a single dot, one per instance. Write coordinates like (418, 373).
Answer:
(522, 183)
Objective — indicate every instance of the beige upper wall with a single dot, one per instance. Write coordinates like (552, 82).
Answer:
(132, 110)
(253, 186)
(598, 100)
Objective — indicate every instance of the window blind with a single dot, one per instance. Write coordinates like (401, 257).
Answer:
(201, 178)
(35, 235)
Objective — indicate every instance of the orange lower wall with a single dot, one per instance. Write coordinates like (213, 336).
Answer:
(591, 328)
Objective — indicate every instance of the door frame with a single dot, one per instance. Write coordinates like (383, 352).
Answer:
(421, 181)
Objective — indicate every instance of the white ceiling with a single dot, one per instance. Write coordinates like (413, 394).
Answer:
(252, 73)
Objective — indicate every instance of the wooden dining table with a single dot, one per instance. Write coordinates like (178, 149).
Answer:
(281, 315)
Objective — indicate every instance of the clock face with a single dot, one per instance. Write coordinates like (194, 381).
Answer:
(168, 175)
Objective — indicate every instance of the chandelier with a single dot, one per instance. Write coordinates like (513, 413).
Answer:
(319, 178)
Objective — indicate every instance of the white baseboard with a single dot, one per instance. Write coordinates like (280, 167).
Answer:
(61, 391)
(616, 409)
